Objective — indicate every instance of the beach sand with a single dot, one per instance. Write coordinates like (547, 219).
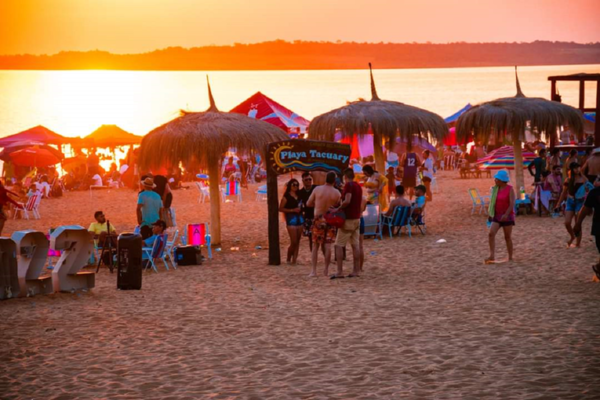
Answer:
(426, 320)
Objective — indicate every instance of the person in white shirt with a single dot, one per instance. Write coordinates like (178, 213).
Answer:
(97, 180)
(43, 186)
(427, 169)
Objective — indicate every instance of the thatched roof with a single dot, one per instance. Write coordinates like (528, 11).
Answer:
(511, 115)
(388, 120)
(202, 137)
(111, 136)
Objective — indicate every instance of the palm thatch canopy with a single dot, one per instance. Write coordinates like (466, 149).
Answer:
(201, 138)
(510, 116)
(111, 136)
(386, 119)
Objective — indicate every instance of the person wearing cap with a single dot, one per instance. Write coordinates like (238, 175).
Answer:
(148, 207)
(502, 214)
(574, 191)
(158, 228)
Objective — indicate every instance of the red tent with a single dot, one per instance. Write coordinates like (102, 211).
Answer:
(38, 134)
(262, 107)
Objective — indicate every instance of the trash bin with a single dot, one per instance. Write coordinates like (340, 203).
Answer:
(129, 260)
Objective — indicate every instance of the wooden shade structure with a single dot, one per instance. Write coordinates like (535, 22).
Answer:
(386, 119)
(201, 138)
(508, 117)
(582, 79)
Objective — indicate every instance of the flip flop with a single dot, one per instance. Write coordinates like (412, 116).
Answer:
(353, 276)
(596, 270)
(335, 276)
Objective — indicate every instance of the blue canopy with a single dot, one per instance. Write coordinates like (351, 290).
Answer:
(452, 119)
(590, 117)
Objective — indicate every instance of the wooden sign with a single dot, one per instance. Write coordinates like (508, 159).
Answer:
(297, 155)
(307, 155)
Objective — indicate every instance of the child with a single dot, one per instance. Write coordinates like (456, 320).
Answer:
(419, 204)
(391, 181)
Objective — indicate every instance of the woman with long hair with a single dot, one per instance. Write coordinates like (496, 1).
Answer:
(574, 191)
(290, 206)
(375, 186)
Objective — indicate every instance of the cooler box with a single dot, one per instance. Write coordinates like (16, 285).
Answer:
(188, 255)
(129, 261)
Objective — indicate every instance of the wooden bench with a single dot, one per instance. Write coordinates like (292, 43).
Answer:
(9, 279)
(32, 252)
(75, 242)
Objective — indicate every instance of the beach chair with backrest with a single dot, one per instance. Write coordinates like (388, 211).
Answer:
(198, 235)
(157, 252)
(170, 248)
(371, 220)
(399, 219)
(419, 222)
(261, 193)
(32, 205)
(231, 188)
(204, 192)
(479, 201)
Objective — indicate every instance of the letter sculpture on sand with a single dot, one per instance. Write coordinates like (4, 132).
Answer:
(76, 244)
(32, 252)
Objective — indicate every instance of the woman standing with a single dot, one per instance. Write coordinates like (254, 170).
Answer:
(502, 214)
(375, 186)
(290, 206)
(574, 191)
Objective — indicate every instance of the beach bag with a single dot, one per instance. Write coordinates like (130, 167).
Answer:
(335, 219)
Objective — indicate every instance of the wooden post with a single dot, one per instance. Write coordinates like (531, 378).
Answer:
(378, 150)
(597, 127)
(552, 90)
(215, 203)
(581, 95)
(273, 215)
(520, 180)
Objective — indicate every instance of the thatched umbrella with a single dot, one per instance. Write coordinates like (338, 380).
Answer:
(386, 119)
(508, 117)
(201, 138)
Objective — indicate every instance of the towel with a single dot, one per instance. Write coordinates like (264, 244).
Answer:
(492, 208)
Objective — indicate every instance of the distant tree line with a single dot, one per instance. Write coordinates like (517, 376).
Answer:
(282, 55)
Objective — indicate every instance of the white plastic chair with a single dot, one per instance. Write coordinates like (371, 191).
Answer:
(204, 192)
(261, 193)
(170, 249)
(156, 252)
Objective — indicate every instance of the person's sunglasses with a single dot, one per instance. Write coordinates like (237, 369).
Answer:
(295, 184)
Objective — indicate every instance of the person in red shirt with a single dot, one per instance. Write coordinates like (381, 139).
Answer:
(352, 206)
(4, 200)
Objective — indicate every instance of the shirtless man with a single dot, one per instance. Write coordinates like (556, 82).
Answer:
(322, 199)
(591, 168)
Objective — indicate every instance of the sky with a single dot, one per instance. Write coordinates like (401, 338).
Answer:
(136, 26)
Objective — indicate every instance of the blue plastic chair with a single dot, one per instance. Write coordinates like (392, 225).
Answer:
(400, 218)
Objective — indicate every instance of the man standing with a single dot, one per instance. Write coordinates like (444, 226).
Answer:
(307, 212)
(322, 199)
(410, 164)
(148, 207)
(351, 204)
(539, 164)
(591, 168)
(591, 205)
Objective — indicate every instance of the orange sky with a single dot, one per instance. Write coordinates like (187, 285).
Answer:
(132, 26)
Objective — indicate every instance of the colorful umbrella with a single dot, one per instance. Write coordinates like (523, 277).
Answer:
(34, 157)
(504, 158)
(11, 148)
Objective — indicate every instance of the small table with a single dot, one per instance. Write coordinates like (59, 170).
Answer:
(526, 203)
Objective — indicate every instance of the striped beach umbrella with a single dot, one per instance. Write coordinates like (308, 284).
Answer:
(504, 158)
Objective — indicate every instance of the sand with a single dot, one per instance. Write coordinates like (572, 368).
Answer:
(426, 320)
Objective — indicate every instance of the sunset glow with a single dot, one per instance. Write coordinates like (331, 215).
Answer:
(131, 26)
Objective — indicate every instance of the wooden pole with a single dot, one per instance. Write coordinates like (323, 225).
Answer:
(597, 127)
(378, 150)
(215, 203)
(273, 215)
(520, 180)
(581, 95)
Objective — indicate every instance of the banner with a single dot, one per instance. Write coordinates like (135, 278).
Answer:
(307, 155)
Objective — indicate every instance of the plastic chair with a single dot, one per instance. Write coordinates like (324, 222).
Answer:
(33, 204)
(400, 218)
(204, 192)
(157, 251)
(479, 201)
(261, 193)
(232, 188)
(371, 220)
(170, 249)
(198, 235)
